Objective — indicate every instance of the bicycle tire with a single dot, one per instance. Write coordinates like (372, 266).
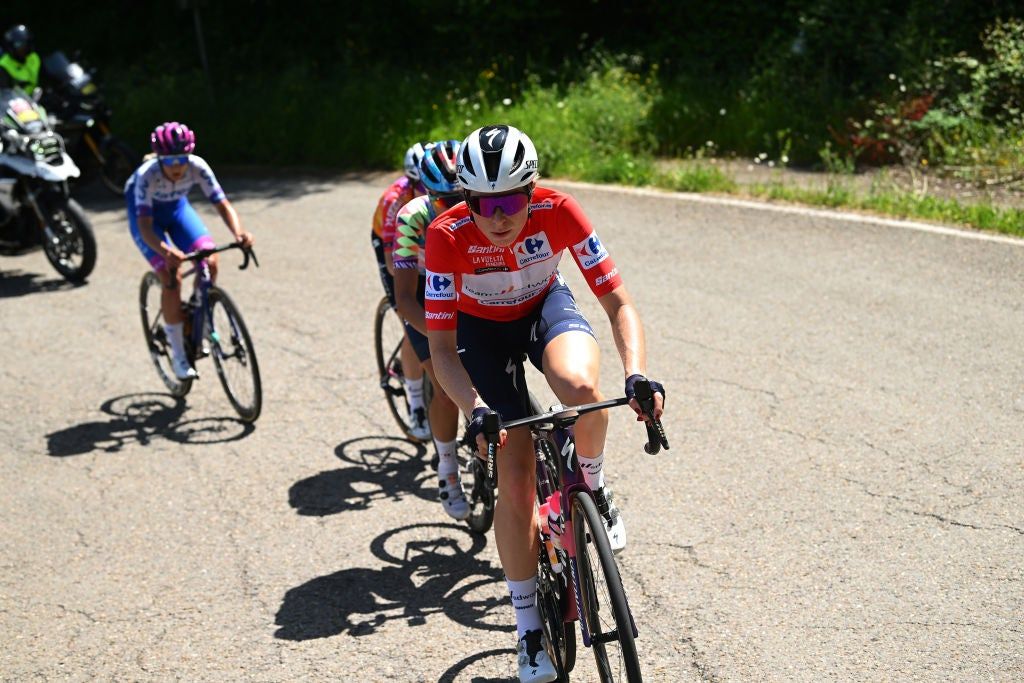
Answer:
(552, 598)
(590, 536)
(156, 339)
(241, 349)
(387, 340)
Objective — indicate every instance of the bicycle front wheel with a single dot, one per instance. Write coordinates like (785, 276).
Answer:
(480, 497)
(388, 334)
(234, 356)
(156, 339)
(603, 599)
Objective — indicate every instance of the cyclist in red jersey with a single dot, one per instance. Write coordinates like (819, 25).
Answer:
(398, 194)
(493, 293)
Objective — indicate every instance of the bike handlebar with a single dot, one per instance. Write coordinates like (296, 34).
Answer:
(566, 416)
(200, 254)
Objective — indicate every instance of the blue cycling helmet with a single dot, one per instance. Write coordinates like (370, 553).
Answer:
(437, 168)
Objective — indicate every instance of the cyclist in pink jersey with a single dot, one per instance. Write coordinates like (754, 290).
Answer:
(382, 236)
(493, 294)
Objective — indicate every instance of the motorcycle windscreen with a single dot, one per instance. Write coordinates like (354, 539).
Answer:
(69, 74)
(21, 113)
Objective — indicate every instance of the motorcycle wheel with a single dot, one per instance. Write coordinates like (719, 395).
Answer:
(120, 161)
(68, 241)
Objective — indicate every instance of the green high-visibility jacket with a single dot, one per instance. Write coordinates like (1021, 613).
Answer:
(25, 74)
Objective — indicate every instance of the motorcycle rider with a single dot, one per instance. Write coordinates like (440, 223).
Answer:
(20, 61)
(163, 223)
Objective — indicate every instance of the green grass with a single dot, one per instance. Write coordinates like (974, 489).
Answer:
(606, 125)
(984, 216)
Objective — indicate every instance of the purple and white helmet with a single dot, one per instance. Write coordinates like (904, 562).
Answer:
(413, 157)
(172, 138)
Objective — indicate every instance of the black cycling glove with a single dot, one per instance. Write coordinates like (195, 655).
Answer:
(476, 423)
(656, 387)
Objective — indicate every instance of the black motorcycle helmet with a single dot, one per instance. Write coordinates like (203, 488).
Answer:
(18, 41)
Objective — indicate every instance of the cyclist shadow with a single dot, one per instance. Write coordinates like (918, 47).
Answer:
(387, 468)
(138, 419)
(20, 283)
(436, 571)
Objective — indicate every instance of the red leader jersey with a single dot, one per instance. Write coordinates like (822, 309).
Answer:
(465, 272)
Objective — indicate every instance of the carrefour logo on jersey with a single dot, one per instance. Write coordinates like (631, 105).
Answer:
(534, 248)
(440, 286)
(590, 252)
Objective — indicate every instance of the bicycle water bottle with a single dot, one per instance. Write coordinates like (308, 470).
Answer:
(545, 533)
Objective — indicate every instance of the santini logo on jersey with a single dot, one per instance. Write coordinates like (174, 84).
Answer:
(532, 249)
(440, 286)
(590, 252)
(606, 277)
(482, 249)
(442, 315)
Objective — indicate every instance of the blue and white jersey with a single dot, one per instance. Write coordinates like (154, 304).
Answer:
(151, 186)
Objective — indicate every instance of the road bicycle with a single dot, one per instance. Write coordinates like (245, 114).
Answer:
(213, 327)
(388, 333)
(578, 579)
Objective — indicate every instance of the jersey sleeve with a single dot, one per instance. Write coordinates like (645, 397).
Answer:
(440, 302)
(144, 193)
(587, 249)
(208, 181)
(410, 228)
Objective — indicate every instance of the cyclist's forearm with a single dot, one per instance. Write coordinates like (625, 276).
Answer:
(450, 372)
(405, 298)
(627, 330)
(230, 217)
(148, 235)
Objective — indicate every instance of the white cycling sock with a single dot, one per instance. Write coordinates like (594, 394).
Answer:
(593, 471)
(447, 462)
(524, 599)
(176, 336)
(414, 389)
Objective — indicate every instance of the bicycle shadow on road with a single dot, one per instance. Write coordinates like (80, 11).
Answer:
(468, 668)
(386, 468)
(435, 570)
(19, 283)
(140, 418)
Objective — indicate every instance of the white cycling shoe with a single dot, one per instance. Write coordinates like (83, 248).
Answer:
(419, 427)
(534, 664)
(182, 368)
(453, 498)
(613, 522)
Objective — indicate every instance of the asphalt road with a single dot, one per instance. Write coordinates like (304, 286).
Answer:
(842, 500)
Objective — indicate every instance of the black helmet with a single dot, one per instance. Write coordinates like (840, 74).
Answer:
(18, 41)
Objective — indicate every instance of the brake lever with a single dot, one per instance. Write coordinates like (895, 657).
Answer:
(491, 431)
(656, 439)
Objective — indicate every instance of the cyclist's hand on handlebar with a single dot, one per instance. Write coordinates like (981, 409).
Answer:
(173, 257)
(476, 430)
(659, 397)
(245, 238)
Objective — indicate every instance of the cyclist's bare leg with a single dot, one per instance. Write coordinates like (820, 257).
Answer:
(170, 299)
(515, 521)
(571, 367)
(410, 362)
(214, 266)
(444, 414)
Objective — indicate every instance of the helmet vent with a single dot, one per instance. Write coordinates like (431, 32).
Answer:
(467, 159)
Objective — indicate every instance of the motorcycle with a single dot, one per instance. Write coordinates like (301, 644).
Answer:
(82, 117)
(35, 205)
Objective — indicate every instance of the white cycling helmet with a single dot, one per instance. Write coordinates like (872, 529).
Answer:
(413, 156)
(496, 159)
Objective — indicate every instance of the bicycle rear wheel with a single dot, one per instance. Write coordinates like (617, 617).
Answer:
(156, 339)
(553, 595)
(234, 356)
(388, 334)
(603, 603)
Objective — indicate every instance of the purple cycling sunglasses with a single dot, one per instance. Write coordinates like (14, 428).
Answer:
(173, 159)
(510, 202)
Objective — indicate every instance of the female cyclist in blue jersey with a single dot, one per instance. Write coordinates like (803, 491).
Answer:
(165, 226)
